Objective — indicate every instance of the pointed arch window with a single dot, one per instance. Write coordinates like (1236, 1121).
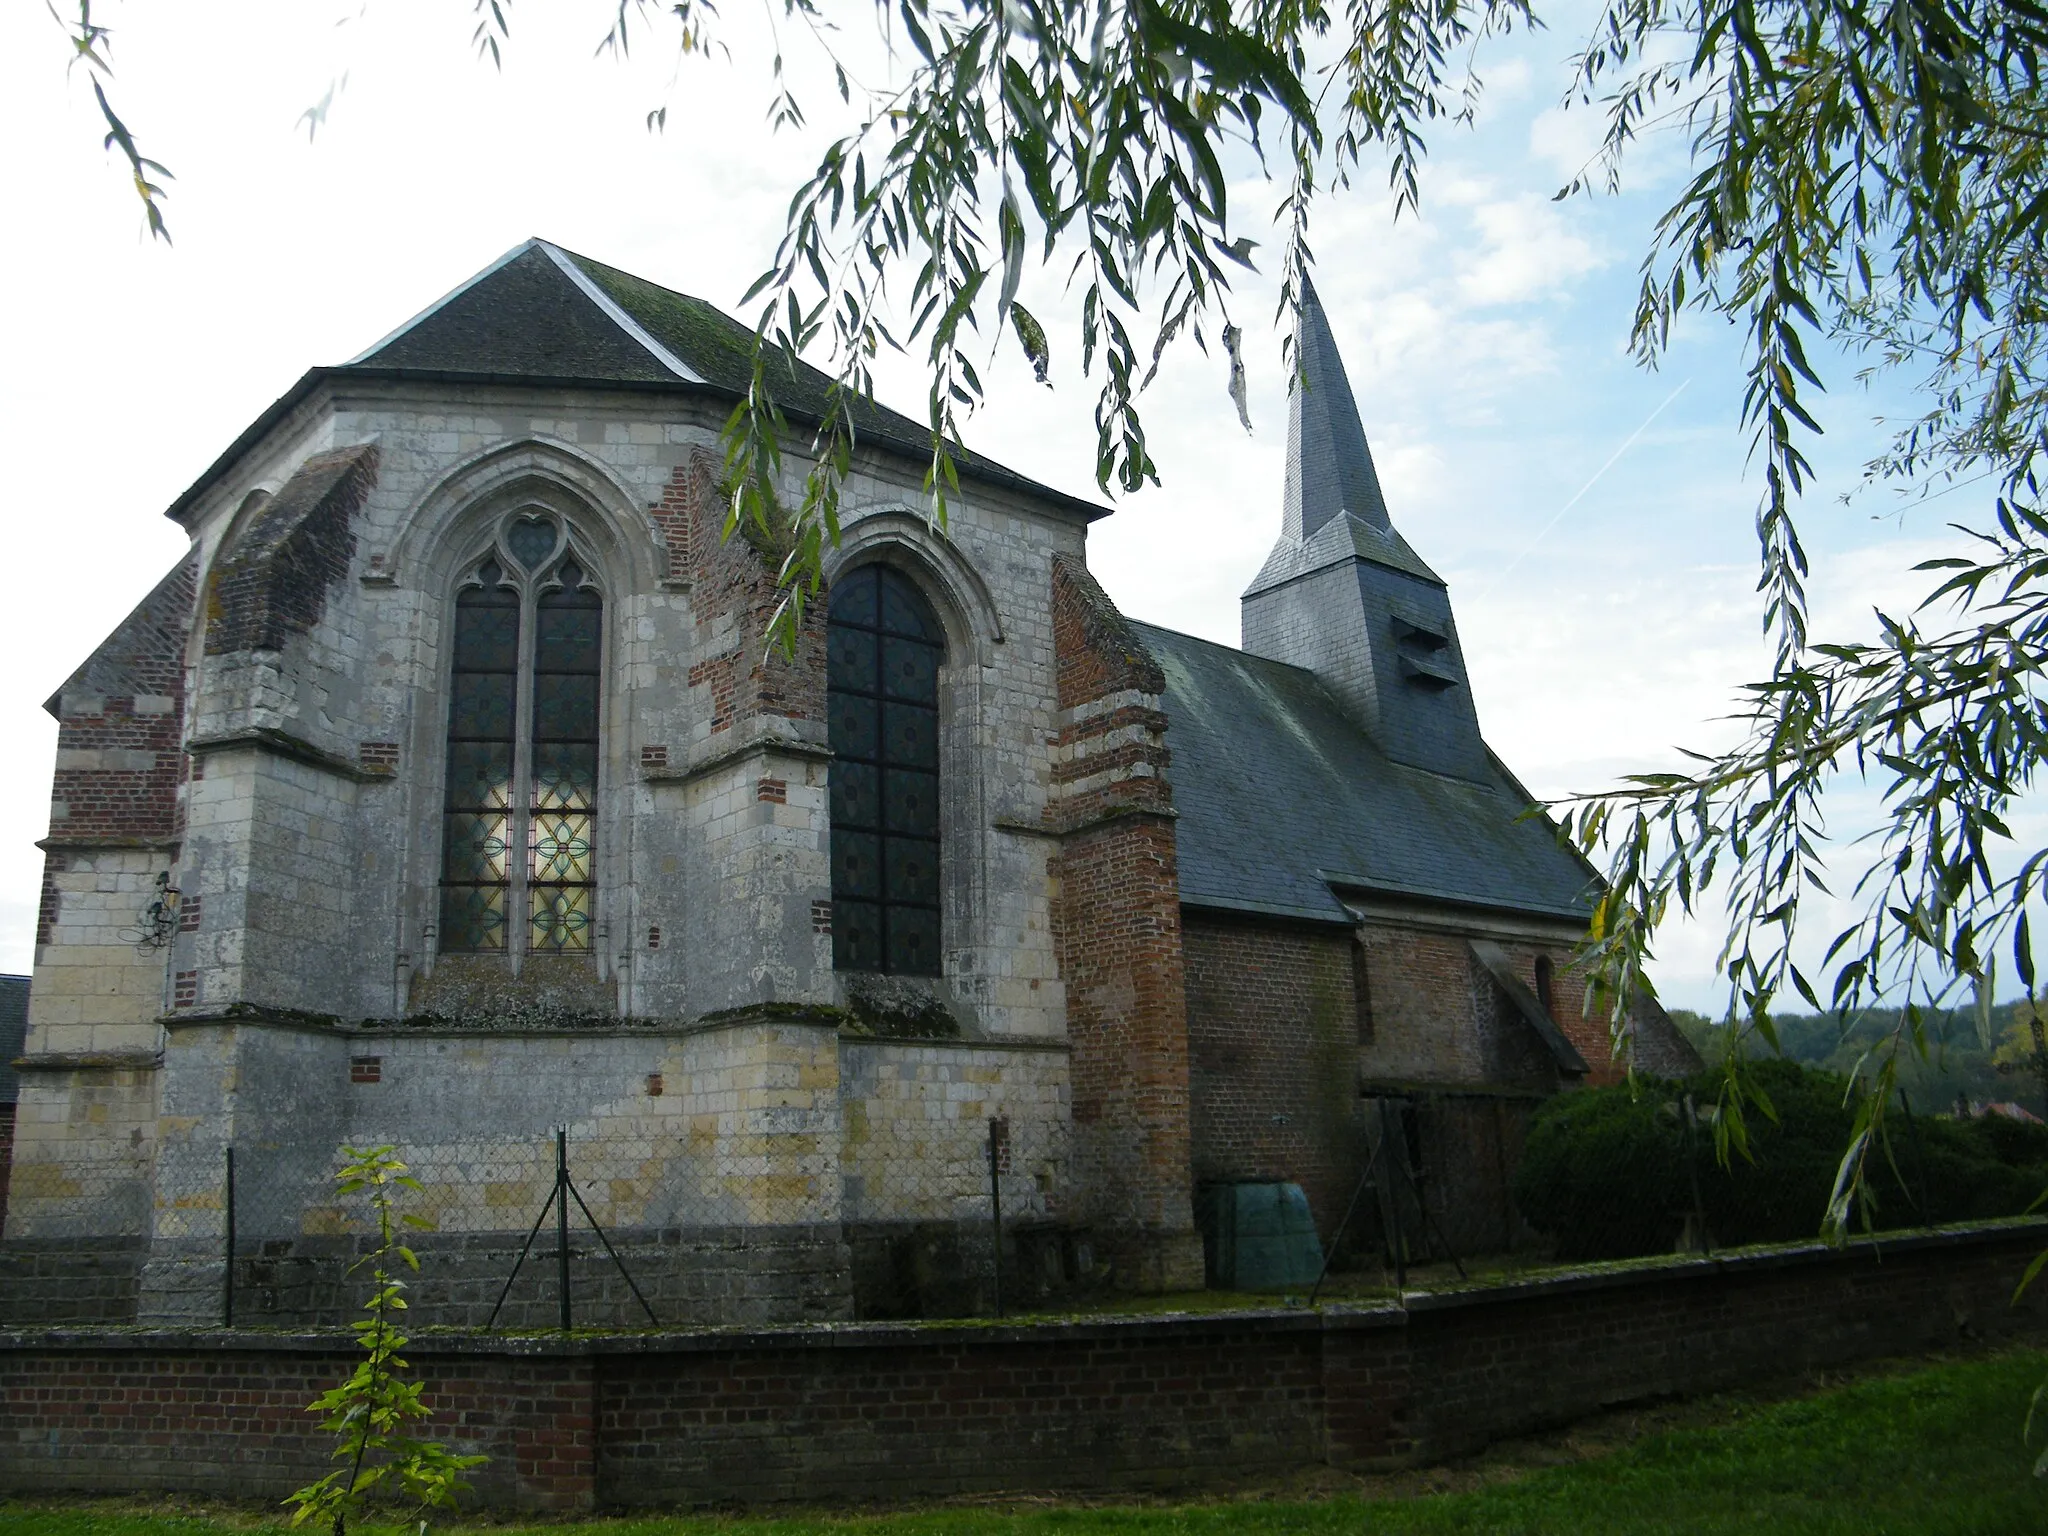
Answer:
(518, 859)
(885, 648)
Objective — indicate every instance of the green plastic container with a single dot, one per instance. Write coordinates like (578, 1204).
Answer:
(1258, 1237)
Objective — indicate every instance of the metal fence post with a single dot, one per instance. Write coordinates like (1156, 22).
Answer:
(227, 1290)
(562, 1218)
(995, 1206)
(1396, 1157)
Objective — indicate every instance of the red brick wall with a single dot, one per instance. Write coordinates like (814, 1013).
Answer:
(1118, 937)
(1119, 952)
(1438, 1016)
(733, 595)
(129, 792)
(1273, 1037)
(902, 1413)
(190, 1419)
(920, 1416)
(1287, 1023)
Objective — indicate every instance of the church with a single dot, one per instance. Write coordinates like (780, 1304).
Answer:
(445, 796)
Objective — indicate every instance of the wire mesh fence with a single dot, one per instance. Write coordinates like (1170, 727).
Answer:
(568, 1230)
(919, 1215)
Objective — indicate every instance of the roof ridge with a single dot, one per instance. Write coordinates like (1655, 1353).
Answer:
(572, 268)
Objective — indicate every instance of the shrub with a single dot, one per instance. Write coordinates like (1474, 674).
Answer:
(1609, 1172)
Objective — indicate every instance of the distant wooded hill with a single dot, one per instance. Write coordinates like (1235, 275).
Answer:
(1960, 1059)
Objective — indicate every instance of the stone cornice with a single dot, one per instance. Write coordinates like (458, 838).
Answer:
(266, 738)
(89, 1061)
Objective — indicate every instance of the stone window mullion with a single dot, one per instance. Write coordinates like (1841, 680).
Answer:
(522, 784)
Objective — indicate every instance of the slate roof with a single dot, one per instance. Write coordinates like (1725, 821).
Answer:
(1329, 466)
(13, 1034)
(542, 315)
(1284, 801)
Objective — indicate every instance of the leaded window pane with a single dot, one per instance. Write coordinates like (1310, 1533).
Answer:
(904, 610)
(480, 775)
(856, 727)
(884, 651)
(856, 600)
(531, 540)
(564, 776)
(910, 802)
(569, 637)
(910, 736)
(476, 848)
(856, 934)
(911, 871)
(472, 917)
(856, 863)
(913, 941)
(564, 707)
(560, 919)
(856, 794)
(487, 635)
(853, 660)
(486, 705)
(910, 670)
(561, 848)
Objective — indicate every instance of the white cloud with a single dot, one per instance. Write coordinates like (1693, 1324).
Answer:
(1565, 140)
(1528, 250)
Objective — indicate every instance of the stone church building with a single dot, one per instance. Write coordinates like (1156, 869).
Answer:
(445, 795)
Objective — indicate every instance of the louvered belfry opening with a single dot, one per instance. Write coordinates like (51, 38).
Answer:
(885, 648)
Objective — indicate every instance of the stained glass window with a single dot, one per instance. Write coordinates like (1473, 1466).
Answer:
(884, 647)
(568, 633)
(482, 714)
(521, 799)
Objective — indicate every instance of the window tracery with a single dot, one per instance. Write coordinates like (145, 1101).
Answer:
(519, 813)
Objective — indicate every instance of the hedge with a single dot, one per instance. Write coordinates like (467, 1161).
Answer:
(1610, 1172)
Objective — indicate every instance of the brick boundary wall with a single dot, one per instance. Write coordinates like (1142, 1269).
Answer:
(879, 1411)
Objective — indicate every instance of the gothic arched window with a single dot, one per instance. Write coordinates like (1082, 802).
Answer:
(517, 864)
(885, 646)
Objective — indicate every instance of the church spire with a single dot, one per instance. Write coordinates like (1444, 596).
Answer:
(1329, 466)
(1343, 595)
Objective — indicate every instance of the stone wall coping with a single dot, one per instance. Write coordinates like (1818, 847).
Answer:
(1734, 1261)
(966, 1333)
(635, 1029)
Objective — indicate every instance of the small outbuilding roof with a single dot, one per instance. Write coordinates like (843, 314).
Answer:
(1286, 804)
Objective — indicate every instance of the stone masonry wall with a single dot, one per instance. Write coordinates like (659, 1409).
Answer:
(882, 1412)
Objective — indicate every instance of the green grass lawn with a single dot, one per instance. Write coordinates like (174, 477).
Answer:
(1930, 1450)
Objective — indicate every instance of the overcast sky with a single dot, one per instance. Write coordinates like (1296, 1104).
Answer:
(1593, 520)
